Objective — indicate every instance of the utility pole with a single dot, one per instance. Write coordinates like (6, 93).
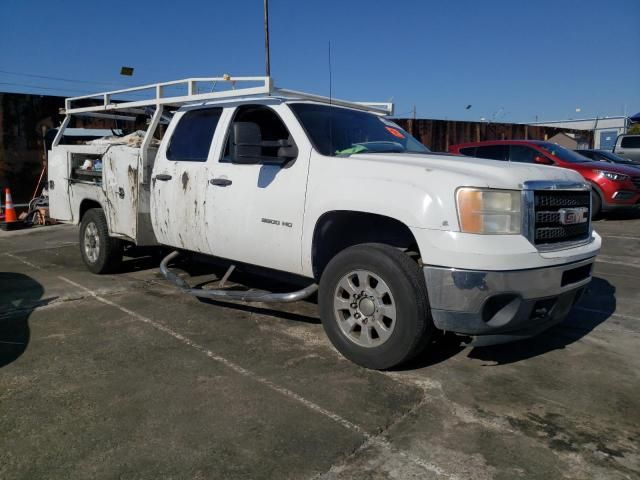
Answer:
(414, 112)
(266, 39)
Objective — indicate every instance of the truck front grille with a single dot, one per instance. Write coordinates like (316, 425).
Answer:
(548, 208)
(636, 181)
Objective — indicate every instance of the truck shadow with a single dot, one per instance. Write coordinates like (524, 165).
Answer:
(19, 296)
(597, 305)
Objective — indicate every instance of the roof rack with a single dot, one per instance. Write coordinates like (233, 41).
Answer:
(157, 91)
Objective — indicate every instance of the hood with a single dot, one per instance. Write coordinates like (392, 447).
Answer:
(468, 171)
(609, 167)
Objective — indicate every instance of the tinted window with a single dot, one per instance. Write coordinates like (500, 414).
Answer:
(341, 131)
(562, 153)
(589, 154)
(265, 134)
(630, 142)
(522, 154)
(492, 152)
(192, 137)
(468, 151)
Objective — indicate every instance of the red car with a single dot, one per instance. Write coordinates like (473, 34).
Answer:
(614, 186)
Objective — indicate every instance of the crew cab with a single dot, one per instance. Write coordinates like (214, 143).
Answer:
(628, 146)
(614, 186)
(398, 242)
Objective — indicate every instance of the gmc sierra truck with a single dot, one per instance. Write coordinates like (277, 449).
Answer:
(398, 242)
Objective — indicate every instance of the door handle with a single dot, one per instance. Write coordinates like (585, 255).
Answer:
(220, 182)
(163, 176)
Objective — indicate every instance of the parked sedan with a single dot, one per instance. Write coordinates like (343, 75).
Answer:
(614, 186)
(607, 156)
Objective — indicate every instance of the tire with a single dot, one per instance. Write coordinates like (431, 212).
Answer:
(394, 307)
(100, 252)
(596, 204)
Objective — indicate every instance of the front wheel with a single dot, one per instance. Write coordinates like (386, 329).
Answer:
(374, 306)
(100, 252)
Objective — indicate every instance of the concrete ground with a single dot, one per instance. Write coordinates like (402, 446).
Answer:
(121, 376)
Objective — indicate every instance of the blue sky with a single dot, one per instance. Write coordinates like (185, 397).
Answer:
(511, 60)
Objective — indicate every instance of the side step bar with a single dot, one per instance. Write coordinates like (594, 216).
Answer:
(242, 296)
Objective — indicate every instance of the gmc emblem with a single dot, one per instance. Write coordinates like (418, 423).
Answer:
(571, 216)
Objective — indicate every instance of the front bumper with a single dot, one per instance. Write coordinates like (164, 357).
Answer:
(501, 306)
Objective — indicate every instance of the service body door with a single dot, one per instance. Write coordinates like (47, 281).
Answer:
(120, 177)
(256, 210)
(179, 181)
(58, 167)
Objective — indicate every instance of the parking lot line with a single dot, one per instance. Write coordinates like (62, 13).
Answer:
(369, 439)
(233, 366)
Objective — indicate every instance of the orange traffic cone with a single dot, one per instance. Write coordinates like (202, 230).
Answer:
(9, 211)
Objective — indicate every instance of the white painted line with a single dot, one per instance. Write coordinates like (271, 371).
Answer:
(60, 245)
(624, 260)
(227, 363)
(623, 237)
(369, 439)
(26, 262)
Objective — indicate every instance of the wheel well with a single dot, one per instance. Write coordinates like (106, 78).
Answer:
(341, 229)
(87, 205)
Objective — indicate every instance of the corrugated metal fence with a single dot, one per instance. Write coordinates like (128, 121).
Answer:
(438, 135)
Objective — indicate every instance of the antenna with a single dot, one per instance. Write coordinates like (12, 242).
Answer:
(330, 99)
(267, 61)
(330, 74)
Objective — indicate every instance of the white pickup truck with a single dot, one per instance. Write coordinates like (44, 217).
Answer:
(399, 242)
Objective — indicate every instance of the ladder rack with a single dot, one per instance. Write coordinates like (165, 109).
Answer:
(157, 92)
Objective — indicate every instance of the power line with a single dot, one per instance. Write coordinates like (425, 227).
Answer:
(60, 79)
(40, 87)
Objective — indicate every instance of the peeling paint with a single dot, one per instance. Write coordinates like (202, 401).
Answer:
(185, 180)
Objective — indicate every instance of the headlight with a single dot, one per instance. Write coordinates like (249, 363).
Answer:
(619, 177)
(489, 211)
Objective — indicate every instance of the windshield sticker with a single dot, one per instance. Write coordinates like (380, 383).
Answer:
(395, 132)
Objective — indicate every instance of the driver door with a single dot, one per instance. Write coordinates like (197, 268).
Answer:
(257, 195)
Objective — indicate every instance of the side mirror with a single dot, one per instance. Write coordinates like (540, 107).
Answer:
(542, 160)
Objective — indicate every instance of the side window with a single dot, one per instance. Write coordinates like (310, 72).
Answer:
(468, 151)
(191, 140)
(630, 142)
(258, 135)
(492, 152)
(522, 154)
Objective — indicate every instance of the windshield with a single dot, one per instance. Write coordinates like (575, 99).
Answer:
(615, 158)
(564, 154)
(340, 131)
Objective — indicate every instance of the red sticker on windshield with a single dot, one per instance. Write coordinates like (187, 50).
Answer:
(395, 132)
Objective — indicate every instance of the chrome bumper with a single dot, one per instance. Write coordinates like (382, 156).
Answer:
(506, 305)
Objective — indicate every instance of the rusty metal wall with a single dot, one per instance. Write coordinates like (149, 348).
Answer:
(438, 135)
(24, 118)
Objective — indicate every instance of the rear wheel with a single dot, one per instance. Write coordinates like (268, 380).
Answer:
(100, 252)
(374, 306)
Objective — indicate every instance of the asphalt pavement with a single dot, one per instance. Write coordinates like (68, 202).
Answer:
(122, 376)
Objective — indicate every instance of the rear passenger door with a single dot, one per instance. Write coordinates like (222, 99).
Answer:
(180, 180)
